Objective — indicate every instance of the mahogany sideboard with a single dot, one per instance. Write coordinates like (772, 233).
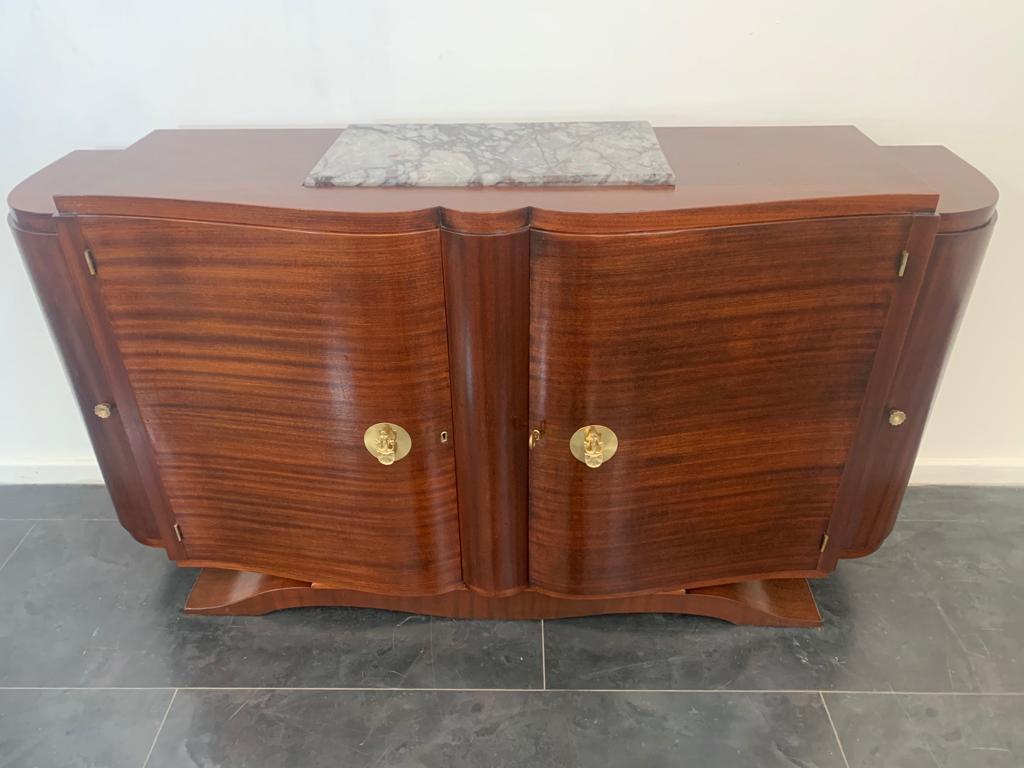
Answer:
(507, 402)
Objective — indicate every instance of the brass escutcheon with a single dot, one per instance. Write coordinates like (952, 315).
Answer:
(593, 445)
(387, 442)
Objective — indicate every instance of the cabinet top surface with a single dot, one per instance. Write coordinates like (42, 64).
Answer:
(715, 168)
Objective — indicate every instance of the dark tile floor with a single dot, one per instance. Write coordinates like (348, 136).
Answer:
(920, 662)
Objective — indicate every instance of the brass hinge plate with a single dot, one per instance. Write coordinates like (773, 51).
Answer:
(824, 542)
(90, 261)
(904, 258)
(177, 532)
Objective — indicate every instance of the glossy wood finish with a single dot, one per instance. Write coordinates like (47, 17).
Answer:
(55, 291)
(952, 269)
(123, 407)
(777, 603)
(726, 176)
(875, 435)
(487, 283)
(744, 334)
(257, 359)
(732, 365)
(968, 199)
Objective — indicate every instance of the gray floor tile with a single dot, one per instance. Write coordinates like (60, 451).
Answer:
(452, 729)
(83, 604)
(930, 731)
(56, 729)
(11, 534)
(939, 608)
(962, 503)
(72, 502)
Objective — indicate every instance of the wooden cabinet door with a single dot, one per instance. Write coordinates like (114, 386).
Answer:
(733, 365)
(256, 359)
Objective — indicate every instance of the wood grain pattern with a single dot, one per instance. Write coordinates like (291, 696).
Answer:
(55, 291)
(744, 333)
(257, 358)
(946, 287)
(875, 437)
(487, 283)
(769, 172)
(732, 364)
(122, 401)
(967, 199)
(774, 603)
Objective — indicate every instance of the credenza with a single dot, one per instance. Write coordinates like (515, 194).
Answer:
(507, 402)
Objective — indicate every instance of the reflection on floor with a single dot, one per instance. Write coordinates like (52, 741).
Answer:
(920, 662)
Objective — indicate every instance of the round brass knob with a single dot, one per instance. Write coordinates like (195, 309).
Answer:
(593, 445)
(387, 442)
(103, 410)
(897, 417)
(534, 438)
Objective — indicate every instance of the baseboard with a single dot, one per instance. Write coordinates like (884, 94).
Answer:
(926, 472)
(968, 472)
(71, 472)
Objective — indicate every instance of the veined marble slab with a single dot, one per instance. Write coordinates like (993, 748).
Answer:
(494, 154)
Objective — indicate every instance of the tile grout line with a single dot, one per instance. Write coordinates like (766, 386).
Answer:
(936, 520)
(160, 728)
(114, 520)
(433, 666)
(396, 689)
(17, 546)
(543, 660)
(57, 519)
(839, 742)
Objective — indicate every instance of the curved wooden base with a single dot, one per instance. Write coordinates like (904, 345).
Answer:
(772, 602)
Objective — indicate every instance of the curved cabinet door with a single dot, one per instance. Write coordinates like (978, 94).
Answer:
(255, 359)
(732, 364)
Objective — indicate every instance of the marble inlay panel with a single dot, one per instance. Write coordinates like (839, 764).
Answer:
(494, 154)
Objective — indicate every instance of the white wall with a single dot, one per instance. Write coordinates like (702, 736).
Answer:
(102, 74)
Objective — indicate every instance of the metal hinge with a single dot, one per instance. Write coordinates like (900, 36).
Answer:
(824, 542)
(904, 258)
(90, 261)
(177, 532)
